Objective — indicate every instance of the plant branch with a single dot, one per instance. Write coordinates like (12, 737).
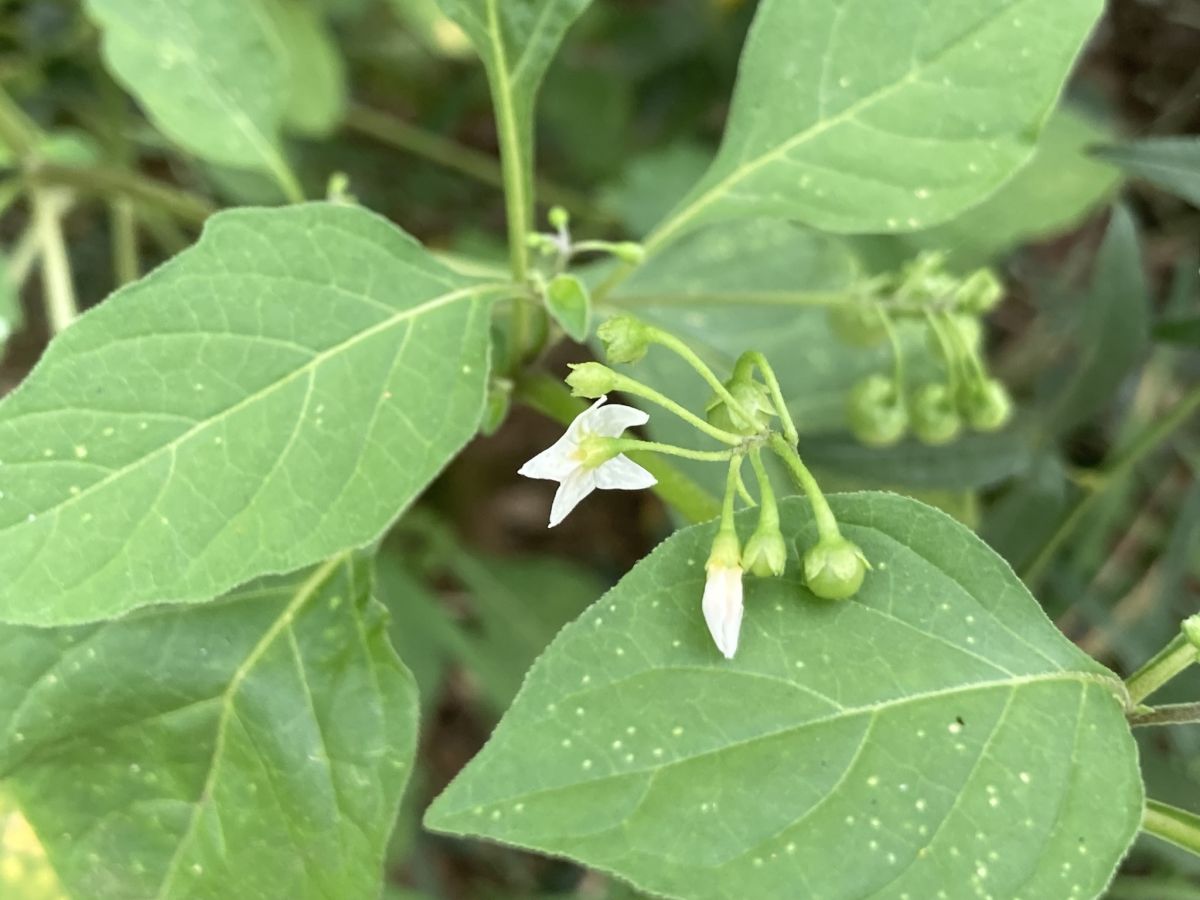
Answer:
(109, 181)
(1170, 714)
(61, 305)
(1174, 825)
(1165, 665)
(1149, 440)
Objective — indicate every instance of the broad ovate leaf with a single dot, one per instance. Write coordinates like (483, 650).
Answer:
(256, 746)
(933, 737)
(272, 396)
(882, 116)
(212, 74)
(316, 72)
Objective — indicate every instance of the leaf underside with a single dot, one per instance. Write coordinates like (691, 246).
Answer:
(934, 738)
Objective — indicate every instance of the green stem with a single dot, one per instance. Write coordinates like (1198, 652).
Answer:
(785, 416)
(628, 385)
(827, 526)
(897, 347)
(1145, 443)
(401, 135)
(109, 181)
(689, 356)
(17, 131)
(950, 353)
(626, 445)
(1166, 664)
(61, 306)
(550, 397)
(732, 477)
(744, 492)
(1177, 826)
(719, 298)
(123, 224)
(768, 515)
(1170, 714)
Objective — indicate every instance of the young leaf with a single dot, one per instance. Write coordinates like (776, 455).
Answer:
(270, 397)
(1172, 164)
(884, 116)
(568, 302)
(253, 747)
(936, 733)
(210, 74)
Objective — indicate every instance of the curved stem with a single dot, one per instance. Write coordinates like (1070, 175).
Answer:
(61, 306)
(744, 492)
(785, 416)
(689, 356)
(897, 347)
(1178, 826)
(827, 526)
(769, 514)
(950, 353)
(1145, 443)
(111, 181)
(1165, 665)
(626, 444)
(628, 385)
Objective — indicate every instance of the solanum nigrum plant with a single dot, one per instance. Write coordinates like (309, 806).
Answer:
(798, 692)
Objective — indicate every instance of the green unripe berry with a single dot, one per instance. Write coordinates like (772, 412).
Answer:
(591, 380)
(625, 339)
(765, 554)
(979, 293)
(835, 568)
(876, 412)
(935, 418)
(858, 323)
(988, 406)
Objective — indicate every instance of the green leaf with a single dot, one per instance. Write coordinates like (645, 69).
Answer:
(884, 116)
(568, 302)
(1055, 191)
(1171, 163)
(1113, 333)
(936, 733)
(211, 75)
(256, 746)
(316, 73)
(653, 183)
(25, 874)
(270, 397)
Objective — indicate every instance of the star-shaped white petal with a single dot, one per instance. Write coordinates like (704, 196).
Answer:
(561, 462)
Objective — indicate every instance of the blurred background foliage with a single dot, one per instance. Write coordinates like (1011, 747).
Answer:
(1097, 241)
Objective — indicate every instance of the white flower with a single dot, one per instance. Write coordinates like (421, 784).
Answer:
(722, 606)
(564, 462)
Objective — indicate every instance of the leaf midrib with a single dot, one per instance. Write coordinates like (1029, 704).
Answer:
(475, 292)
(673, 226)
(848, 712)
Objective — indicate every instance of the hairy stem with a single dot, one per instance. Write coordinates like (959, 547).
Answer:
(1170, 714)
(1178, 826)
(827, 526)
(1165, 665)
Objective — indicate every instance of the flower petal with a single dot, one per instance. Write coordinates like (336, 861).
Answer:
(574, 488)
(613, 419)
(582, 423)
(622, 474)
(555, 463)
(722, 605)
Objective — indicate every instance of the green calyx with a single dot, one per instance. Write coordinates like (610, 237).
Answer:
(726, 551)
(858, 322)
(988, 405)
(625, 339)
(979, 293)
(877, 413)
(835, 568)
(754, 398)
(935, 417)
(591, 380)
(766, 553)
